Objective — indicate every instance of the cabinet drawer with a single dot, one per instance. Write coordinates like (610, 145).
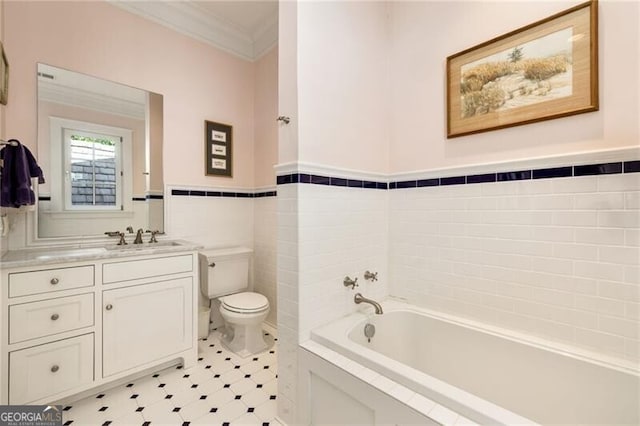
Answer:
(45, 370)
(38, 319)
(136, 269)
(26, 283)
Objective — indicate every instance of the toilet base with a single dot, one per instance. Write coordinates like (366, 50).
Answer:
(244, 340)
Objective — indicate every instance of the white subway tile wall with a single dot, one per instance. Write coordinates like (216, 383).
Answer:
(557, 258)
(288, 307)
(265, 234)
(342, 232)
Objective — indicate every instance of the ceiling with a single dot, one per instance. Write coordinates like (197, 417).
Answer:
(247, 29)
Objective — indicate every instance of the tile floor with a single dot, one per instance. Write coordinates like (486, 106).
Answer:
(222, 389)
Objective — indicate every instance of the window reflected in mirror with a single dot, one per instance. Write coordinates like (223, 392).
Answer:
(100, 147)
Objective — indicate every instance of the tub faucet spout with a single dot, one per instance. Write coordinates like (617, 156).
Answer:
(359, 298)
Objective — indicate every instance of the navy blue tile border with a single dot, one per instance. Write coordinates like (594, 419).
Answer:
(330, 181)
(228, 194)
(546, 173)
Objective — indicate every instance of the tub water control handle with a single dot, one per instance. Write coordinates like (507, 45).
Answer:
(348, 282)
(212, 265)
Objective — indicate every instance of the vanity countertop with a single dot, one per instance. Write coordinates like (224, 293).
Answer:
(79, 252)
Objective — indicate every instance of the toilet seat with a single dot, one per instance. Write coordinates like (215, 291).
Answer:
(245, 303)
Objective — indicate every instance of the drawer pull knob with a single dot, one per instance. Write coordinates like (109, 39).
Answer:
(55, 368)
(109, 307)
(54, 281)
(54, 317)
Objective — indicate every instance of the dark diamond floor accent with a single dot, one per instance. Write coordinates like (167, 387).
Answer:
(250, 410)
(246, 376)
(100, 396)
(175, 410)
(238, 396)
(213, 410)
(67, 408)
(179, 367)
(236, 367)
(186, 423)
(226, 424)
(215, 376)
(103, 408)
(168, 397)
(194, 386)
(161, 385)
(139, 409)
(134, 396)
(156, 375)
(203, 396)
(258, 386)
(68, 422)
(130, 385)
(255, 359)
(200, 359)
(185, 376)
(208, 367)
(272, 397)
(107, 423)
(266, 367)
(146, 423)
(226, 385)
(219, 352)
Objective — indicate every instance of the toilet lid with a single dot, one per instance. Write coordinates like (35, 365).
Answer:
(245, 302)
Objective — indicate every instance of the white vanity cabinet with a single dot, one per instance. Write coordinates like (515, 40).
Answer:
(70, 328)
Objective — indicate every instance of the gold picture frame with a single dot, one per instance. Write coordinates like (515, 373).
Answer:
(4, 76)
(545, 70)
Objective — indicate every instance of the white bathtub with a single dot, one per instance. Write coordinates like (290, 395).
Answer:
(490, 379)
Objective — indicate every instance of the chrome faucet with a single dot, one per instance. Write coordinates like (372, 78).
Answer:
(138, 239)
(359, 298)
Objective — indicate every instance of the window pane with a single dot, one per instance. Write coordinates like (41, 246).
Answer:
(93, 171)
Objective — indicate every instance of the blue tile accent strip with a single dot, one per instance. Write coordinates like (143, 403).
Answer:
(548, 173)
(44, 198)
(632, 166)
(489, 177)
(555, 172)
(138, 199)
(154, 197)
(597, 169)
(229, 194)
(521, 175)
(454, 180)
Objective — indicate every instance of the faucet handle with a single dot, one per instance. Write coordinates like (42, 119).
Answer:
(122, 241)
(349, 282)
(130, 229)
(153, 236)
(373, 276)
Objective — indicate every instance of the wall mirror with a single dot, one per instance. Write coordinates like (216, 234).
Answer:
(100, 148)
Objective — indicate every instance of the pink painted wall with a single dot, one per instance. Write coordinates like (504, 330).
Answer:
(198, 81)
(425, 33)
(343, 84)
(265, 113)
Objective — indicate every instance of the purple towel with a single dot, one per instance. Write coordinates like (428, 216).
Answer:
(18, 169)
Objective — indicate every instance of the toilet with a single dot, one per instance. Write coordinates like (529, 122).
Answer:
(224, 275)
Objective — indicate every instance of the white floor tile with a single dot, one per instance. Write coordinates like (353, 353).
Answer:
(212, 392)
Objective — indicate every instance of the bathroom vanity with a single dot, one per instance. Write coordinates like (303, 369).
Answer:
(75, 320)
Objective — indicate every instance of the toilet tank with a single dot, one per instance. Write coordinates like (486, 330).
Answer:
(224, 270)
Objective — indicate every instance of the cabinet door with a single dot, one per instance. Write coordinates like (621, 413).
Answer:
(145, 323)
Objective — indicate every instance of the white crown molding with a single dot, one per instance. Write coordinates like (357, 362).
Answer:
(55, 93)
(190, 19)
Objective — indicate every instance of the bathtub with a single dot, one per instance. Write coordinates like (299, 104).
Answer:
(488, 377)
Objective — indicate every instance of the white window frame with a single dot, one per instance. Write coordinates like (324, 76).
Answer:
(60, 170)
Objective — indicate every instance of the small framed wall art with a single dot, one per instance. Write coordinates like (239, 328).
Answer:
(218, 139)
(4, 76)
(545, 70)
